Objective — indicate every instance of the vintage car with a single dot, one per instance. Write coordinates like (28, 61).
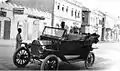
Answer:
(54, 45)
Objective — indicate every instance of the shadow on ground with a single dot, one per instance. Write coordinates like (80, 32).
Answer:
(100, 64)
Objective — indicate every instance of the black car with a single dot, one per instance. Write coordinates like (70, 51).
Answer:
(54, 44)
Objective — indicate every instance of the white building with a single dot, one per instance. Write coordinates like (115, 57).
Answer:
(96, 22)
(69, 12)
(31, 20)
(110, 25)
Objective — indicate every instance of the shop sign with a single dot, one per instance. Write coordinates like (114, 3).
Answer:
(18, 10)
(36, 17)
(3, 14)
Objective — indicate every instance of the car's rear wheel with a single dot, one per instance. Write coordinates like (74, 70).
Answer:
(50, 63)
(89, 60)
(21, 57)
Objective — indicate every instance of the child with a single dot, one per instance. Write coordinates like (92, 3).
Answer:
(18, 39)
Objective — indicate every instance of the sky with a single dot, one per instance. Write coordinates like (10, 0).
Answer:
(107, 6)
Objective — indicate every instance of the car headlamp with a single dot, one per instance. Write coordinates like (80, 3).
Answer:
(22, 45)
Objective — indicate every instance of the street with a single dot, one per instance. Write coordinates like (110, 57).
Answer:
(107, 59)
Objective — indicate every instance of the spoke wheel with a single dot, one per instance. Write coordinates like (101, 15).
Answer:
(89, 60)
(21, 57)
(50, 63)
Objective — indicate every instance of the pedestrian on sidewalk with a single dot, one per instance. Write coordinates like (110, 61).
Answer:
(18, 38)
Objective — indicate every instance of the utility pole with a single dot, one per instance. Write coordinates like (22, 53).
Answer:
(103, 27)
(52, 21)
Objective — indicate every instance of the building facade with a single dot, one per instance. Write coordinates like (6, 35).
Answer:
(31, 20)
(69, 12)
(111, 28)
(96, 20)
(85, 20)
(54, 12)
(32, 16)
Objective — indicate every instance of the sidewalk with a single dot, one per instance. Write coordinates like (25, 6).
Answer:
(107, 41)
(7, 43)
(12, 43)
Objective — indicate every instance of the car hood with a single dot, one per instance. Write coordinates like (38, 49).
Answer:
(42, 42)
(45, 42)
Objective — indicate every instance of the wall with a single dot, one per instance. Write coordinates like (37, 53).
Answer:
(110, 32)
(27, 24)
(96, 22)
(9, 17)
(43, 5)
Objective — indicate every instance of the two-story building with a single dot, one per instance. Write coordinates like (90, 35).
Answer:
(69, 12)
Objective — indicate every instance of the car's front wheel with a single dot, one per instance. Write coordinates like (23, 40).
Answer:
(50, 63)
(21, 57)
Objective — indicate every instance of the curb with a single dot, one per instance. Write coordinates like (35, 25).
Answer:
(12, 43)
(7, 43)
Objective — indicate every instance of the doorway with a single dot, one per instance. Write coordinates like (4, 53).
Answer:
(7, 25)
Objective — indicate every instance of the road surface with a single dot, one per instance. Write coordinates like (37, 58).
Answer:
(107, 59)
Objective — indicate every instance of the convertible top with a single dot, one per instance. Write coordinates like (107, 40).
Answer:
(74, 36)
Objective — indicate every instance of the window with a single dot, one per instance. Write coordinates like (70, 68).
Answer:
(79, 14)
(72, 12)
(83, 19)
(67, 9)
(63, 8)
(58, 6)
(76, 14)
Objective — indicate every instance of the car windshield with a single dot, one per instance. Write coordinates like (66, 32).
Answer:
(56, 31)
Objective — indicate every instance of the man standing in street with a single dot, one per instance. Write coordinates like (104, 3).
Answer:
(18, 38)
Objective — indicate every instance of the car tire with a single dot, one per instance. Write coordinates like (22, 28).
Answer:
(21, 57)
(89, 61)
(51, 62)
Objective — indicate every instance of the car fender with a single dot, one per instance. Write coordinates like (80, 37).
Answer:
(61, 56)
